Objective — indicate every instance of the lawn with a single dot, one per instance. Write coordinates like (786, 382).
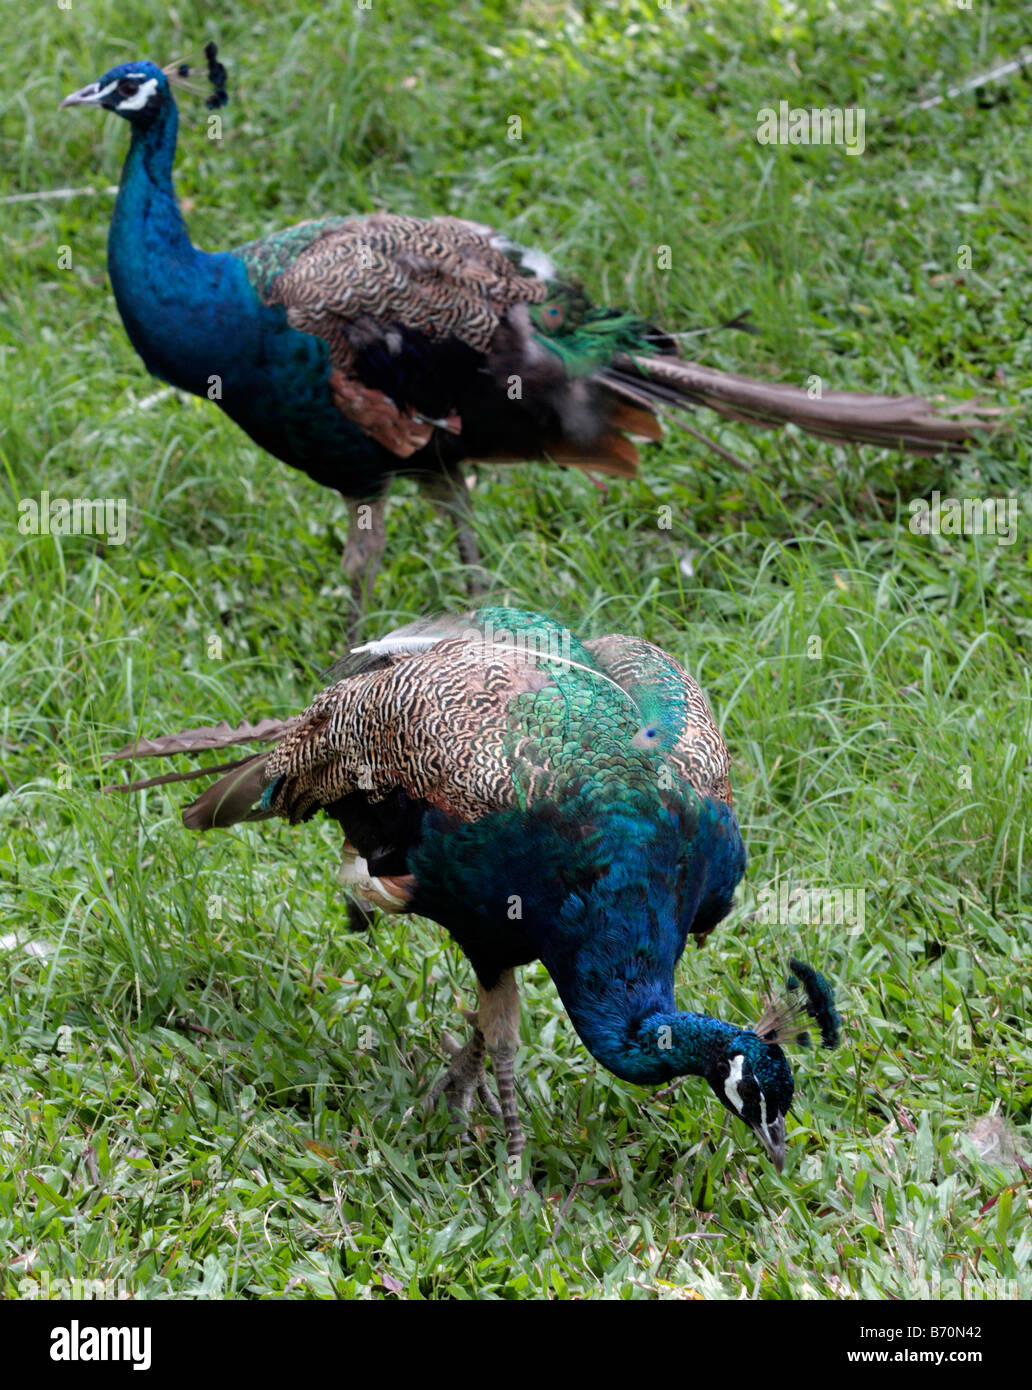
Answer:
(210, 1086)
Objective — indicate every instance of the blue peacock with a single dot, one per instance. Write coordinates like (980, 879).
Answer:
(356, 348)
(543, 798)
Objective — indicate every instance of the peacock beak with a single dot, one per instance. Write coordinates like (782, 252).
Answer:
(772, 1136)
(90, 95)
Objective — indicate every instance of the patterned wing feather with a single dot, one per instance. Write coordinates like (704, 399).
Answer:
(434, 723)
(408, 307)
(677, 721)
(472, 716)
(351, 277)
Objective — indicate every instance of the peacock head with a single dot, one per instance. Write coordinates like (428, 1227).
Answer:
(140, 91)
(137, 91)
(753, 1080)
(748, 1070)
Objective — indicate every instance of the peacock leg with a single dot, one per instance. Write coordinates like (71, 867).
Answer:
(360, 918)
(496, 1030)
(499, 1021)
(367, 536)
(464, 1077)
(449, 494)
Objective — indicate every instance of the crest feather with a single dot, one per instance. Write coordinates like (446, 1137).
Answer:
(179, 72)
(808, 995)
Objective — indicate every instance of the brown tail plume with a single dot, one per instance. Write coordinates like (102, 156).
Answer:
(229, 800)
(911, 423)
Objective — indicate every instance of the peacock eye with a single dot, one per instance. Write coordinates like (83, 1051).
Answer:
(128, 86)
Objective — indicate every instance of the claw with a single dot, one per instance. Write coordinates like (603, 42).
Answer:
(451, 1045)
(464, 1078)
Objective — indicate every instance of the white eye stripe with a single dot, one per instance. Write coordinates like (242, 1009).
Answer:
(103, 91)
(733, 1078)
(139, 99)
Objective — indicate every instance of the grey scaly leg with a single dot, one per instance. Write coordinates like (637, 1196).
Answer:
(363, 554)
(496, 1030)
(499, 1020)
(449, 494)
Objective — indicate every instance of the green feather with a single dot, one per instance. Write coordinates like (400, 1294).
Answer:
(579, 721)
(586, 338)
(269, 256)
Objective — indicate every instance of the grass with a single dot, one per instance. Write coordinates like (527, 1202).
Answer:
(210, 1087)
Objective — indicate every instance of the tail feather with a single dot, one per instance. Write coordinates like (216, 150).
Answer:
(231, 799)
(912, 423)
(190, 775)
(235, 796)
(611, 453)
(219, 735)
(637, 418)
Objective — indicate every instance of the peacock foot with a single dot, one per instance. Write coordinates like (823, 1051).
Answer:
(495, 1030)
(465, 1079)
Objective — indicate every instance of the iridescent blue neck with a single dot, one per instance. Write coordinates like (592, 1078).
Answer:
(169, 294)
(614, 948)
(146, 215)
(667, 1042)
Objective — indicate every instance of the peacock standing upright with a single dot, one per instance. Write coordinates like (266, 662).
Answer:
(357, 348)
(542, 798)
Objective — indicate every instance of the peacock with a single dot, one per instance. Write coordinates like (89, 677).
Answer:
(356, 348)
(542, 798)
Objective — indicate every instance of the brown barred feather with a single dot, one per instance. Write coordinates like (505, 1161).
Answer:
(450, 279)
(434, 722)
(429, 709)
(439, 276)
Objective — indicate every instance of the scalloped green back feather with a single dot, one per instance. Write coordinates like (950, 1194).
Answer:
(581, 720)
(585, 338)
